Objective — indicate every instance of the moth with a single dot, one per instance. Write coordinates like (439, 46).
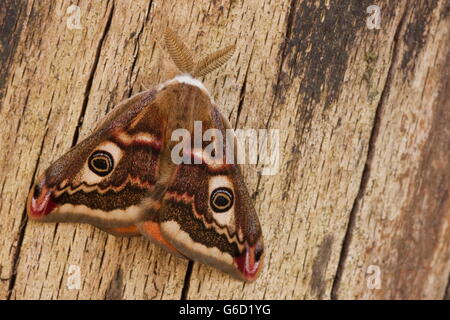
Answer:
(123, 180)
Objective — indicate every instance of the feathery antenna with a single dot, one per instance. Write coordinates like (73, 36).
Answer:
(213, 61)
(180, 54)
(183, 59)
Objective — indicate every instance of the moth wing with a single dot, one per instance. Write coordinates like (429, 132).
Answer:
(152, 231)
(153, 205)
(128, 137)
(230, 240)
(119, 110)
(130, 231)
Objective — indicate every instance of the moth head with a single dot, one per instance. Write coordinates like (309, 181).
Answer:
(102, 179)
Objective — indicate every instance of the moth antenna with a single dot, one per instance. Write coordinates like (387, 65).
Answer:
(170, 70)
(213, 61)
(180, 54)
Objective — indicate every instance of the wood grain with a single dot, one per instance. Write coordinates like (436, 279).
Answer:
(363, 117)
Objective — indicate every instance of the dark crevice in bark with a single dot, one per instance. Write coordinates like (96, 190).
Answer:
(23, 223)
(369, 157)
(137, 49)
(187, 281)
(91, 77)
(243, 91)
(21, 233)
(284, 54)
(16, 255)
(12, 16)
(447, 290)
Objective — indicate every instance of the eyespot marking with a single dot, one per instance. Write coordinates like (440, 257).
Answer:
(221, 199)
(101, 163)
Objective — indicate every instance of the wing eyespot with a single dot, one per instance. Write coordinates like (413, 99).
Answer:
(101, 163)
(221, 200)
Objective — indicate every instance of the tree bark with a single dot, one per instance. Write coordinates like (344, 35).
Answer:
(360, 206)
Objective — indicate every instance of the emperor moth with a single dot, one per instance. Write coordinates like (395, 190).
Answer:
(122, 178)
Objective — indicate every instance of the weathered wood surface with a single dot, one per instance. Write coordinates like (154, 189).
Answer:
(364, 116)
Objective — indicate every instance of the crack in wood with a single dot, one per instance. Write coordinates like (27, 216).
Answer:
(243, 90)
(137, 49)
(91, 77)
(116, 287)
(447, 290)
(187, 281)
(290, 21)
(12, 15)
(23, 224)
(369, 158)
(21, 233)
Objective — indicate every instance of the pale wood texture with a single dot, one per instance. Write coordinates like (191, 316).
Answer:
(365, 139)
